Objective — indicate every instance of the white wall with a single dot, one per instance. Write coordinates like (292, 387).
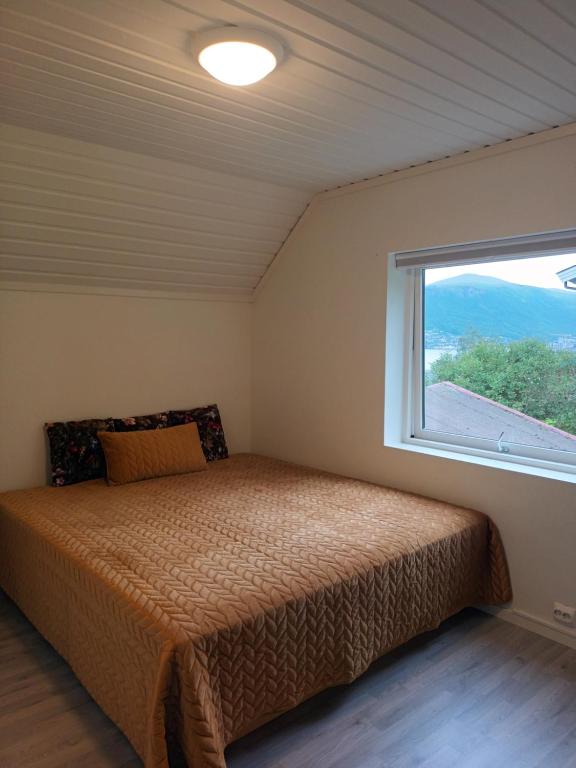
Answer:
(319, 338)
(67, 356)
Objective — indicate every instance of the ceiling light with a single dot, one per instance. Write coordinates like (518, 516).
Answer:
(237, 55)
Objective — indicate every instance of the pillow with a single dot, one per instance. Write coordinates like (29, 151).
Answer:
(75, 451)
(209, 428)
(142, 454)
(135, 423)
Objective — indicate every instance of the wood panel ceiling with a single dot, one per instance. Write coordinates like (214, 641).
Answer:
(368, 86)
(80, 214)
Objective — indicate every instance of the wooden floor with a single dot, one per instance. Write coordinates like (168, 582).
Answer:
(478, 693)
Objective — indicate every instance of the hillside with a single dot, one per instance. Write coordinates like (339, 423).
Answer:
(499, 309)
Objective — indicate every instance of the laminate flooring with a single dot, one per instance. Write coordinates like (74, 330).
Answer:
(476, 693)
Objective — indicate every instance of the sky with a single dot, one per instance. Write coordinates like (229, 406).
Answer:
(540, 271)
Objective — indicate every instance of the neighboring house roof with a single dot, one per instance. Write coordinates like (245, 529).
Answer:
(568, 277)
(453, 409)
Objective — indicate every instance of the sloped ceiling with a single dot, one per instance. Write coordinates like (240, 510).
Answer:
(368, 86)
(81, 214)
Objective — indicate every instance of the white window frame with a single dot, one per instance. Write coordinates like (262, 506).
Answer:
(413, 432)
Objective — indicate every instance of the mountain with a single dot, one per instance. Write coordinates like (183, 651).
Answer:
(498, 309)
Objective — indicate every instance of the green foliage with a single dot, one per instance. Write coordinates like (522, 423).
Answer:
(526, 375)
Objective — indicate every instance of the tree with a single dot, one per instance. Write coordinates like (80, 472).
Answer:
(527, 375)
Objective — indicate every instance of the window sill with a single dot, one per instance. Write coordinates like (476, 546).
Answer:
(480, 458)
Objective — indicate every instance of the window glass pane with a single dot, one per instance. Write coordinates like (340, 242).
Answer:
(499, 345)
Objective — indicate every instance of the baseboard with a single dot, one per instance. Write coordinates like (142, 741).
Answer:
(534, 624)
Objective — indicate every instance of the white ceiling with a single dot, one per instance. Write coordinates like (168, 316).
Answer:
(368, 86)
(76, 213)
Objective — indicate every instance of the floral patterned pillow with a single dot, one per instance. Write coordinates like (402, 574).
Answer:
(138, 423)
(209, 428)
(75, 451)
(76, 454)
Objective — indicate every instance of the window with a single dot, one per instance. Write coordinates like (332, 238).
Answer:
(491, 349)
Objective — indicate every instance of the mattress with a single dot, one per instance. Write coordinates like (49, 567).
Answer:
(195, 608)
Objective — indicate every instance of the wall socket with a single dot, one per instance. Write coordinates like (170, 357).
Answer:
(565, 614)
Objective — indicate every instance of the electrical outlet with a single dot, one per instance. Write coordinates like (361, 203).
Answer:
(565, 614)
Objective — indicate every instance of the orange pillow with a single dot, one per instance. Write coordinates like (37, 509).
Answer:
(140, 455)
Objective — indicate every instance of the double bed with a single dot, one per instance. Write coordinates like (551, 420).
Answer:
(196, 607)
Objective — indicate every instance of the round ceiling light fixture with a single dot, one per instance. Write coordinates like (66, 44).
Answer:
(237, 55)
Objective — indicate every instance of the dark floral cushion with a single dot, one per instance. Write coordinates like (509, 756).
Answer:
(209, 428)
(138, 423)
(75, 451)
(76, 454)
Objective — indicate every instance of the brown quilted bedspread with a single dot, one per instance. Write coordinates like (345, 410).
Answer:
(194, 608)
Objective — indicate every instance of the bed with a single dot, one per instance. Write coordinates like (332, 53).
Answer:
(196, 607)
